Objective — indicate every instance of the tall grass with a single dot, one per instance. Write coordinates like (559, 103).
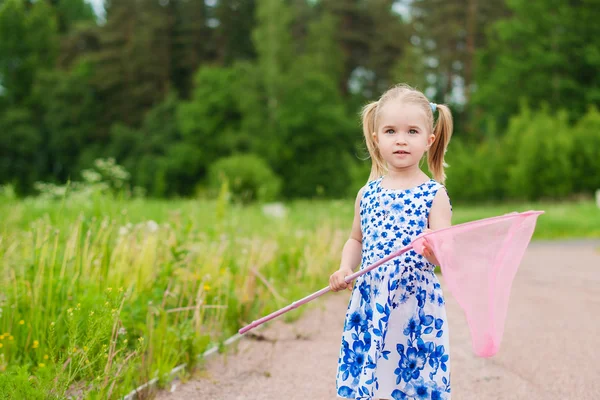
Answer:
(97, 298)
(101, 295)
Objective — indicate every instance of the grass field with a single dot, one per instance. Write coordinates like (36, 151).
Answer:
(99, 296)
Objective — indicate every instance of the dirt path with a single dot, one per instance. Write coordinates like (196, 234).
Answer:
(550, 348)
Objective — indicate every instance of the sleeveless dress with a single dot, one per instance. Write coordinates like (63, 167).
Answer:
(395, 343)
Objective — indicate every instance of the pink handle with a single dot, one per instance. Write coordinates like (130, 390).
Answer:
(321, 292)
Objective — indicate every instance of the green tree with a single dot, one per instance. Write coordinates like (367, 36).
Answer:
(273, 44)
(546, 52)
(585, 158)
(69, 118)
(233, 34)
(133, 68)
(448, 34)
(210, 121)
(29, 45)
(323, 51)
(317, 138)
(155, 154)
(193, 43)
(20, 141)
(73, 12)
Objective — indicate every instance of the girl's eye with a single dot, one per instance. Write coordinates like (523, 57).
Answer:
(413, 131)
(390, 131)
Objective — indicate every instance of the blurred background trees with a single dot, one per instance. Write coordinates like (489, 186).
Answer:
(181, 92)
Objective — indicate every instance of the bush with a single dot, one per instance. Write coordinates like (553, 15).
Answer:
(473, 172)
(542, 168)
(585, 157)
(249, 178)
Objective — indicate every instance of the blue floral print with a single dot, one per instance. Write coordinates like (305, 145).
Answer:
(395, 343)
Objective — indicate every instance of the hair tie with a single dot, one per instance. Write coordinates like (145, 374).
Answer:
(433, 106)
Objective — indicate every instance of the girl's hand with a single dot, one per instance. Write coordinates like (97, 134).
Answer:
(337, 282)
(428, 252)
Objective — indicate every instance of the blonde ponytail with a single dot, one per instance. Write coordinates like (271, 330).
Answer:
(443, 132)
(369, 114)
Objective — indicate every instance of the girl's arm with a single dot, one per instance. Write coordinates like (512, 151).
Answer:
(351, 253)
(440, 217)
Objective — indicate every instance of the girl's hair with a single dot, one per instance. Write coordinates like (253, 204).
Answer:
(442, 129)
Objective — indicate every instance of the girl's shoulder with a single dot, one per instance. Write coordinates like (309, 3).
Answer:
(370, 187)
(433, 184)
(439, 194)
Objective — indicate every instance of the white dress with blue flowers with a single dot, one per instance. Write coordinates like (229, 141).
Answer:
(395, 343)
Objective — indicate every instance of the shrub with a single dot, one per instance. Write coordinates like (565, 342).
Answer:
(249, 178)
(543, 166)
(585, 156)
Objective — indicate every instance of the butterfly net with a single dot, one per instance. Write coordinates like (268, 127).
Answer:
(479, 261)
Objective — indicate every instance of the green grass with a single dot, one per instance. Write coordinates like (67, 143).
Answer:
(100, 296)
(560, 220)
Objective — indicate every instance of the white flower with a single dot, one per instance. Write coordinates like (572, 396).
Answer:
(152, 226)
(275, 210)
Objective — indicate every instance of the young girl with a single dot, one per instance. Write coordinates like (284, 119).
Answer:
(395, 340)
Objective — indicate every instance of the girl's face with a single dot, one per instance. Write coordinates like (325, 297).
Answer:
(403, 134)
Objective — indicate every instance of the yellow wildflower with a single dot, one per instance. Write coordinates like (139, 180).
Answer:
(1, 345)
(21, 322)
(85, 348)
(36, 344)
(11, 338)
(46, 356)
(206, 288)
(42, 365)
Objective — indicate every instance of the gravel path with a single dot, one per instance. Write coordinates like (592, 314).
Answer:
(549, 351)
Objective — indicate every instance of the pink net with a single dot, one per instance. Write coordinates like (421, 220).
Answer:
(479, 261)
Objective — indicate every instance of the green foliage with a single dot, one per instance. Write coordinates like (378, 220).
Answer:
(69, 117)
(585, 157)
(155, 154)
(29, 45)
(211, 119)
(543, 159)
(234, 32)
(545, 51)
(74, 12)
(248, 176)
(168, 88)
(17, 384)
(19, 141)
(473, 172)
(315, 157)
(541, 156)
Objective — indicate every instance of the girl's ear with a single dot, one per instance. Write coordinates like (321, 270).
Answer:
(430, 140)
(375, 137)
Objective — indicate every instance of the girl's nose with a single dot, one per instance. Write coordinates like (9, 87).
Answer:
(400, 139)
